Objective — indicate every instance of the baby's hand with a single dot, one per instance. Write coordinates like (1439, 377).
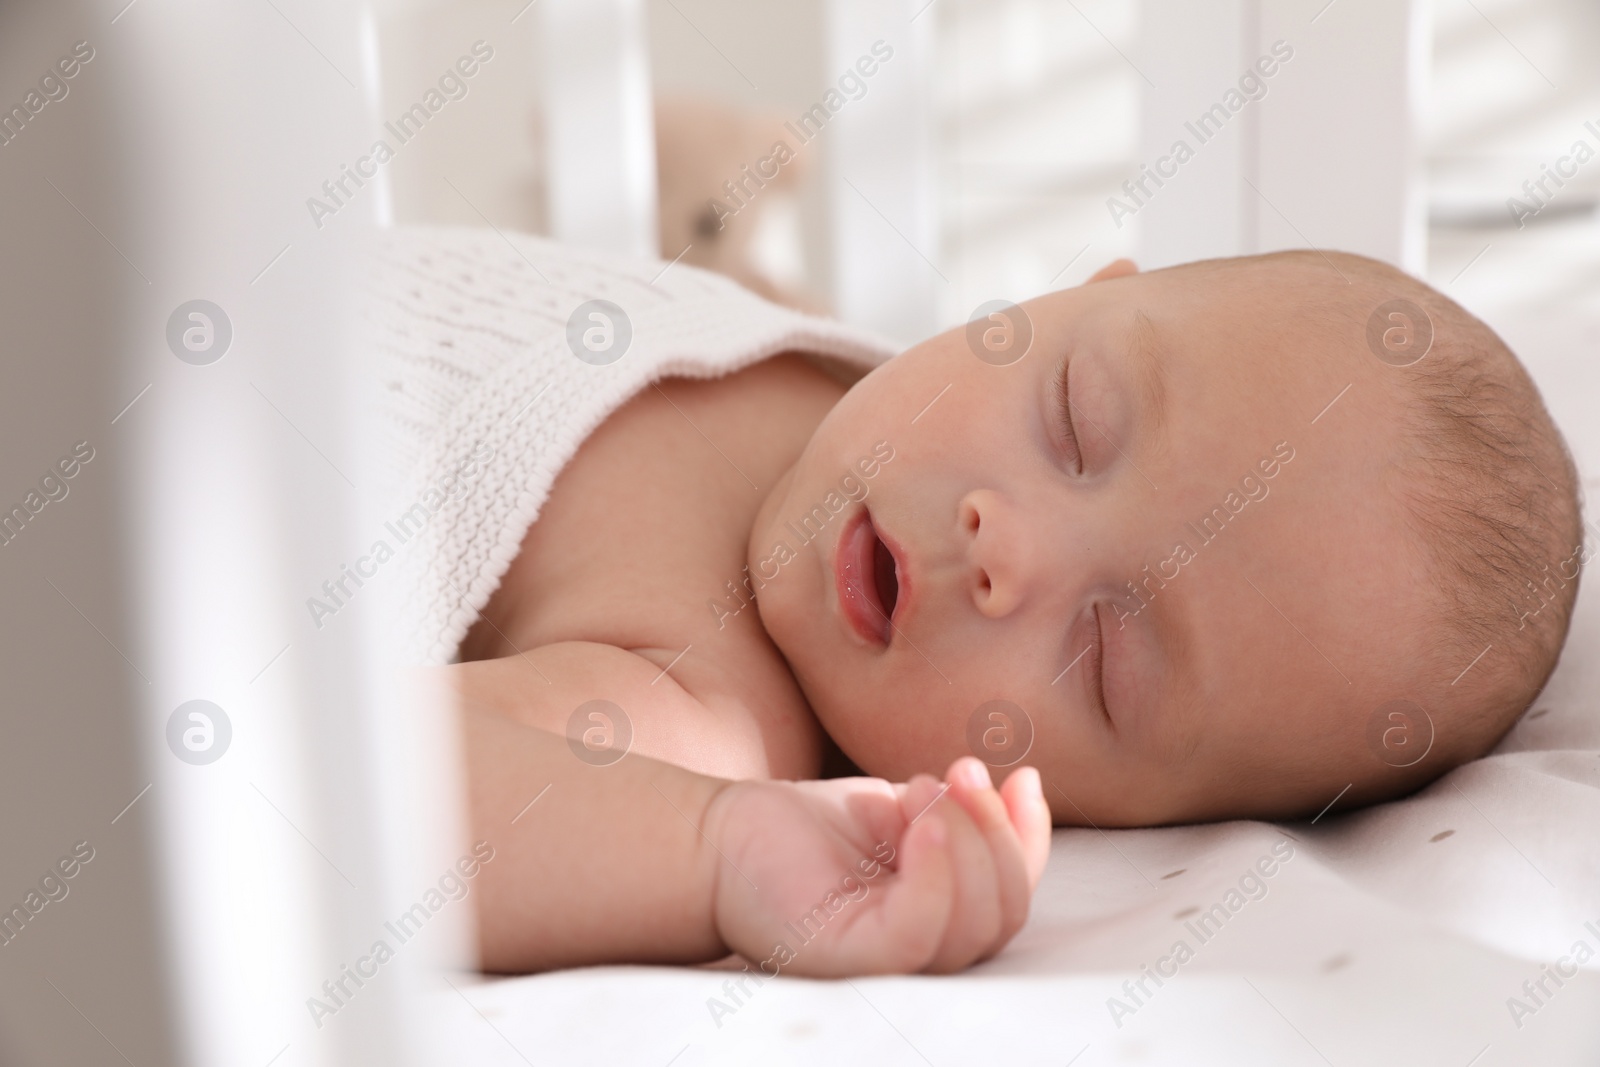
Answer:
(858, 876)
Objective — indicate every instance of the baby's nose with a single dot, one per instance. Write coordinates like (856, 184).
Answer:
(997, 551)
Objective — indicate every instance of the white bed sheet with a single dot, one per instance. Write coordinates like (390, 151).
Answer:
(1384, 940)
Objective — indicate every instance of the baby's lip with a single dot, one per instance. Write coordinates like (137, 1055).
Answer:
(868, 578)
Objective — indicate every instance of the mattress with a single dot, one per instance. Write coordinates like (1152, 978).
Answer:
(1460, 926)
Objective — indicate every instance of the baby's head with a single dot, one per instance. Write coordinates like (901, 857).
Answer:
(1209, 542)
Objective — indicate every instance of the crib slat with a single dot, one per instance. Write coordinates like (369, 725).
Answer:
(1327, 155)
(599, 130)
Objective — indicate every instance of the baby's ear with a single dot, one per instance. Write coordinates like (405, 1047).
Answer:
(1119, 269)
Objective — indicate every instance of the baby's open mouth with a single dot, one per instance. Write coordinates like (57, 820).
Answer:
(867, 577)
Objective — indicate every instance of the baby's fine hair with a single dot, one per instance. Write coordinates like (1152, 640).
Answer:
(1487, 484)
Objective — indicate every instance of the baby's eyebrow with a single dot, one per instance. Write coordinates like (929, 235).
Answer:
(1144, 349)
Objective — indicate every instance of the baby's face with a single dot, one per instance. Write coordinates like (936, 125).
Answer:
(1178, 581)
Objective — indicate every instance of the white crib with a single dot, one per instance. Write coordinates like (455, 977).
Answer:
(224, 898)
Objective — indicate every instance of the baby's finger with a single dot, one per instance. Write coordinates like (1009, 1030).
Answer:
(971, 787)
(975, 918)
(906, 929)
(1030, 816)
(920, 795)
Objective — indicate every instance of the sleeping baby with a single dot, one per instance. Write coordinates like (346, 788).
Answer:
(771, 613)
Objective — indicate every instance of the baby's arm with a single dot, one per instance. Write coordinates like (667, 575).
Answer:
(643, 861)
(719, 729)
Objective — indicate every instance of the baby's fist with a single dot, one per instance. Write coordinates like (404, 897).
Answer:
(858, 876)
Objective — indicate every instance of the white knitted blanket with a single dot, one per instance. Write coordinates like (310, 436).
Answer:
(487, 392)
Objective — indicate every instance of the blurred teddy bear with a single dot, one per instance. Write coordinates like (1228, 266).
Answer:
(727, 182)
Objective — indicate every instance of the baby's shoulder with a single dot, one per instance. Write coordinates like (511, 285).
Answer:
(641, 543)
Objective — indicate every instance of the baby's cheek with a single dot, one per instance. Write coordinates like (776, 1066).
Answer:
(881, 732)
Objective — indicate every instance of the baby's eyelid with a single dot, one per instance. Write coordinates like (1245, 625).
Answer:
(1100, 669)
(1062, 395)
